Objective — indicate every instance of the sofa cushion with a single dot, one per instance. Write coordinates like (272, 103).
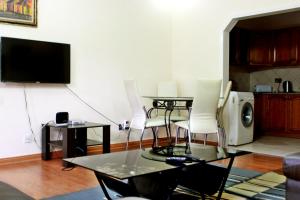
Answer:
(291, 166)
(293, 188)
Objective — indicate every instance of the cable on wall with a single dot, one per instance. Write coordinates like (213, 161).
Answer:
(29, 119)
(84, 102)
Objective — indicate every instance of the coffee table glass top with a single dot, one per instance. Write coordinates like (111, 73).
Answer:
(133, 163)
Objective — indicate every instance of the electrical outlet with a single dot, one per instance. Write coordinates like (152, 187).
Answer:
(28, 138)
(120, 127)
(124, 125)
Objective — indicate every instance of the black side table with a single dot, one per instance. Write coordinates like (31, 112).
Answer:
(73, 139)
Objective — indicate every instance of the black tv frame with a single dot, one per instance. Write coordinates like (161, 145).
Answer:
(34, 61)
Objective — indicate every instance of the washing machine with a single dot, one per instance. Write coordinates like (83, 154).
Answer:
(241, 117)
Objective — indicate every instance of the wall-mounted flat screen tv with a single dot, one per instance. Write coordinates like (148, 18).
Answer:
(30, 61)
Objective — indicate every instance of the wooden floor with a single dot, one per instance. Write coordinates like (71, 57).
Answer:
(41, 179)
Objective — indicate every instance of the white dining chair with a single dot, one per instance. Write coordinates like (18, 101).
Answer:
(202, 118)
(140, 120)
(220, 119)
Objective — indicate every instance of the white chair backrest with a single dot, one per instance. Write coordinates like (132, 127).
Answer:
(204, 108)
(222, 104)
(139, 115)
(167, 89)
(226, 94)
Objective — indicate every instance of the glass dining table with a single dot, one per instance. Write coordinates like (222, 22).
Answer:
(154, 172)
(169, 104)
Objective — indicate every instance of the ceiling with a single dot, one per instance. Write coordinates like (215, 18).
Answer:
(271, 22)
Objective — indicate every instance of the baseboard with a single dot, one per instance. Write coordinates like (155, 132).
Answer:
(92, 150)
(20, 159)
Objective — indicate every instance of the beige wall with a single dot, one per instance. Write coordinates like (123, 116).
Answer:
(111, 40)
(197, 34)
(114, 40)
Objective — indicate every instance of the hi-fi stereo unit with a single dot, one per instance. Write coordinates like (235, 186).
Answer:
(62, 118)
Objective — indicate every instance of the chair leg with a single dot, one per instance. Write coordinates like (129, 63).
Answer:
(141, 140)
(154, 131)
(193, 137)
(218, 138)
(205, 138)
(128, 135)
(156, 137)
(222, 136)
(177, 134)
(189, 137)
(186, 135)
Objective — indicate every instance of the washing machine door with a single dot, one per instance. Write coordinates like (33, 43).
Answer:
(247, 114)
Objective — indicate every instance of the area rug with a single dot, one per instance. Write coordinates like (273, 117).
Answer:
(253, 185)
(241, 185)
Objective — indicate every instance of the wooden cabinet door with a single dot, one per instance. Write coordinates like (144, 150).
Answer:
(238, 47)
(285, 47)
(260, 49)
(260, 113)
(293, 118)
(276, 113)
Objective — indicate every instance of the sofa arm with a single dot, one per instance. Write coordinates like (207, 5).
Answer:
(291, 166)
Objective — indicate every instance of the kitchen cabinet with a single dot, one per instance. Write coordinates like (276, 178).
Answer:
(260, 114)
(277, 114)
(285, 47)
(293, 118)
(238, 46)
(260, 50)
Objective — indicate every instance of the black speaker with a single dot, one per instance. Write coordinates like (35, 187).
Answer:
(62, 118)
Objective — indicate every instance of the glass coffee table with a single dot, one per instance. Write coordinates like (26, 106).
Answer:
(161, 169)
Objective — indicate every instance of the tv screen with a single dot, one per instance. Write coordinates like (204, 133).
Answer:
(30, 61)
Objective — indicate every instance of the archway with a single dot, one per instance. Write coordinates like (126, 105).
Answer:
(233, 21)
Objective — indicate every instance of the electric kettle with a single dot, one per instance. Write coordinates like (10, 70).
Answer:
(287, 86)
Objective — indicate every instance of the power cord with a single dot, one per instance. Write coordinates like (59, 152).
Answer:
(73, 166)
(29, 119)
(84, 102)
(96, 134)
(53, 146)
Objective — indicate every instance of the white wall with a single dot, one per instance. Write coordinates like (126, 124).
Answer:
(111, 40)
(198, 41)
(197, 33)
